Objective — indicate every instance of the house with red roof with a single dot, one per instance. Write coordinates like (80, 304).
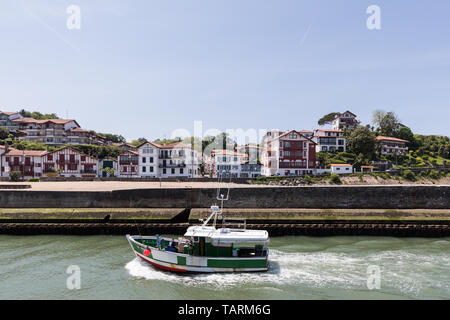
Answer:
(27, 162)
(128, 164)
(341, 168)
(392, 146)
(69, 162)
(288, 154)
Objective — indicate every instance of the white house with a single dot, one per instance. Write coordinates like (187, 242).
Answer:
(227, 163)
(27, 162)
(329, 140)
(149, 160)
(341, 168)
(179, 160)
(346, 120)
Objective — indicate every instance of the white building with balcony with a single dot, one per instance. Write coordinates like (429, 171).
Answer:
(392, 146)
(179, 160)
(330, 140)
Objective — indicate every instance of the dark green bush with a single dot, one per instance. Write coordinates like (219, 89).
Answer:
(409, 175)
(334, 178)
(14, 176)
(33, 180)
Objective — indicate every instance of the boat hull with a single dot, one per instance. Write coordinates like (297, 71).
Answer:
(182, 263)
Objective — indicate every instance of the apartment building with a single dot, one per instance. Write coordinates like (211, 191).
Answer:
(57, 132)
(289, 154)
(179, 160)
(329, 140)
(7, 120)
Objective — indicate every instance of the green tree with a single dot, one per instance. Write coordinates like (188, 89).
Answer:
(4, 133)
(390, 125)
(327, 119)
(362, 141)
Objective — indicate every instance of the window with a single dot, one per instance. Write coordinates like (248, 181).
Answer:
(151, 169)
(181, 171)
(83, 158)
(151, 159)
(144, 159)
(164, 171)
(144, 169)
(173, 171)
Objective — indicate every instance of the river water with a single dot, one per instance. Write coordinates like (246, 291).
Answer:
(35, 267)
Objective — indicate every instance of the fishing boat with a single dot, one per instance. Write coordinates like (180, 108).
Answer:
(207, 249)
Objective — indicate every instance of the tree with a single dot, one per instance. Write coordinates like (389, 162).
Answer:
(4, 133)
(327, 119)
(362, 141)
(390, 125)
(405, 133)
(377, 117)
(113, 137)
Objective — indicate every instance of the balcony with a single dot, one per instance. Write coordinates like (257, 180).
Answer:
(172, 165)
(290, 165)
(67, 161)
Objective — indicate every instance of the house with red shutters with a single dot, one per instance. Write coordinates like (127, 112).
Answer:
(69, 162)
(289, 154)
(128, 164)
(27, 162)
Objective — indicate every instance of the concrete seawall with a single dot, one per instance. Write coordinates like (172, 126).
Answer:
(348, 197)
(342, 228)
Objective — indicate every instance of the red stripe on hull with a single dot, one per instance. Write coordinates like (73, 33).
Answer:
(160, 266)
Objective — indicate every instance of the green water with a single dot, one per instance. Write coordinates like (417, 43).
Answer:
(34, 267)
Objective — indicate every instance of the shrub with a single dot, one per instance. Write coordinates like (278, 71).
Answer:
(334, 178)
(409, 175)
(52, 174)
(33, 180)
(434, 174)
(360, 176)
(308, 179)
(14, 176)
(423, 173)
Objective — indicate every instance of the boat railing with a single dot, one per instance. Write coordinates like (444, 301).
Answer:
(240, 223)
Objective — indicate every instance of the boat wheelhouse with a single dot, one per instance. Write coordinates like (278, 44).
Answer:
(206, 248)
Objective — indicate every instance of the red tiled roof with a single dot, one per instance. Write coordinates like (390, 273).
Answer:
(32, 153)
(73, 149)
(8, 113)
(56, 121)
(381, 138)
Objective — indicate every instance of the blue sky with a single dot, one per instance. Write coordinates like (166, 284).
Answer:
(145, 68)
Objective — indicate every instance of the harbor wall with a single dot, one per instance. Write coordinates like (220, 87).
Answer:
(348, 197)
